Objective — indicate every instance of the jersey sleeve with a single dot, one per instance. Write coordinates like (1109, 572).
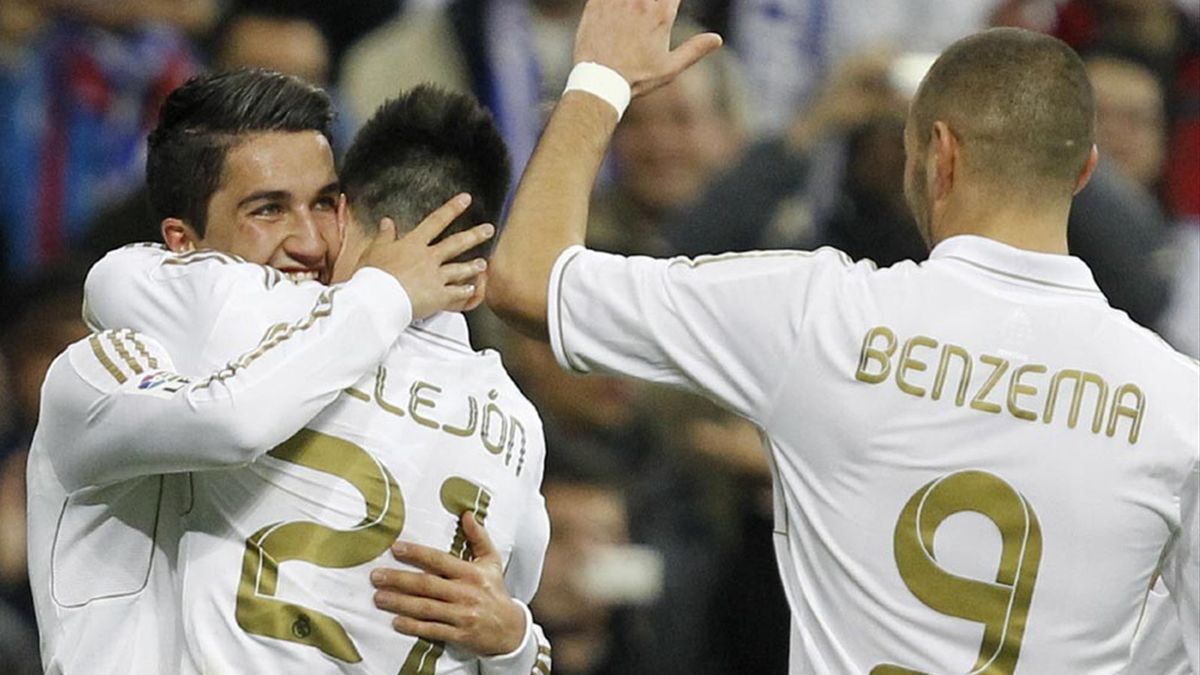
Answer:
(115, 405)
(1181, 567)
(521, 576)
(207, 307)
(724, 326)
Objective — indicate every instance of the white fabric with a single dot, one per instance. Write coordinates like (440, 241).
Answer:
(779, 337)
(601, 81)
(120, 520)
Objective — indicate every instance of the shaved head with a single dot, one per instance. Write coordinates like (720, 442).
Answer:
(1021, 106)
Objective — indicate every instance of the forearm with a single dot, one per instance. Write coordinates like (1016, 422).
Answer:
(550, 210)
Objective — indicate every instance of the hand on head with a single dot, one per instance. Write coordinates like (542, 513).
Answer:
(426, 270)
(633, 38)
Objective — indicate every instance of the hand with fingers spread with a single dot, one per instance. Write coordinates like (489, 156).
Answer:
(633, 38)
(428, 271)
(453, 600)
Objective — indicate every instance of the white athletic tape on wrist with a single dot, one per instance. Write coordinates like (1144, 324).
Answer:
(600, 81)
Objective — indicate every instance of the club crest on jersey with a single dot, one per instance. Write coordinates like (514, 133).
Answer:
(161, 384)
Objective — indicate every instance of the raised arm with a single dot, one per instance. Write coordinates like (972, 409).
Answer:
(550, 209)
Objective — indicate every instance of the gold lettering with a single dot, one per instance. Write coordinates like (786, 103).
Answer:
(472, 421)
(493, 411)
(944, 367)
(1015, 389)
(380, 381)
(1001, 366)
(415, 400)
(907, 363)
(512, 440)
(1082, 379)
(881, 356)
(1119, 410)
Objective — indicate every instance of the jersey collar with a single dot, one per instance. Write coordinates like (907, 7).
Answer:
(450, 326)
(1064, 272)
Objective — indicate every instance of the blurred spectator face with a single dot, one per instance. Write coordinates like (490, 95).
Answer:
(1130, 122)
(579, 402)
(277, 204)
(38, 337)
(671, 141)
(584, 520)
(291, 46)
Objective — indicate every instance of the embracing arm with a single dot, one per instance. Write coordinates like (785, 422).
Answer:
(257, 379)
(476, 604)
(115, 407)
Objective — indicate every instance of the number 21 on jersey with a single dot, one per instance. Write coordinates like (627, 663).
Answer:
(1001, 606)
(259, 612)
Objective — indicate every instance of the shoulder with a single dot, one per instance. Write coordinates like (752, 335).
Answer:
(109, 359)
(156, 263)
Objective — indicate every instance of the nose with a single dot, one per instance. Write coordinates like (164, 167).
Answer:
(306, 243)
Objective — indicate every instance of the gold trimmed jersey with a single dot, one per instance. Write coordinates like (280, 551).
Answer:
(979, 465)
(268, 559)
(118, 429)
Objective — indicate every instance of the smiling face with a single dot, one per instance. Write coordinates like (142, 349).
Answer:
(277, 204)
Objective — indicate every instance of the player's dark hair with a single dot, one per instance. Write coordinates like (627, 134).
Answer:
(419, 150)
(206, 117)
(1020, 103)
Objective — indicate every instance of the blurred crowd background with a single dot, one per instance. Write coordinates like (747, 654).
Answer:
(661, 559)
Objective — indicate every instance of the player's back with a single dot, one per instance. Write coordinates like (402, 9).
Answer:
(278, 553)
(979, 465)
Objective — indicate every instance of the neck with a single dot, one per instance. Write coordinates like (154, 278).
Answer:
(1037, 226)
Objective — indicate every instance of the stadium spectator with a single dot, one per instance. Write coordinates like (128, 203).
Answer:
(1166, 38)
(833, 178)
(75, 104)
(670, 145)
(791, 46)
(514, 55)
(262, 34)
(592, 633)
(1130, 120)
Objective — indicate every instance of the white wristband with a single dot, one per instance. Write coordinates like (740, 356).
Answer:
(600, 81)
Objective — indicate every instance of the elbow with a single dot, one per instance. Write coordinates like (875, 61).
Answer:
(519, 302)
(243, 437)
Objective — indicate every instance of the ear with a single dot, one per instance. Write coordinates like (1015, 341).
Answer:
(179, 236)
(1089, 168)
(343, 215)
(945, 158)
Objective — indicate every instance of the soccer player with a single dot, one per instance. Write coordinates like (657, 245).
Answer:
(979, 465)
(321, 498)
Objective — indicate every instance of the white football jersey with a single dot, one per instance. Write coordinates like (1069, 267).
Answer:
(277, 554)
(107, 483)
(273, 551)
(979, 465)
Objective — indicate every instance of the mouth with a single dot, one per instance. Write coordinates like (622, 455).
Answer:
(298, 275)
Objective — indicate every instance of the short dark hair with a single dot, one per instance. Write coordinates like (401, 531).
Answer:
(202, 120)
(1021, 104)
(419, 150)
